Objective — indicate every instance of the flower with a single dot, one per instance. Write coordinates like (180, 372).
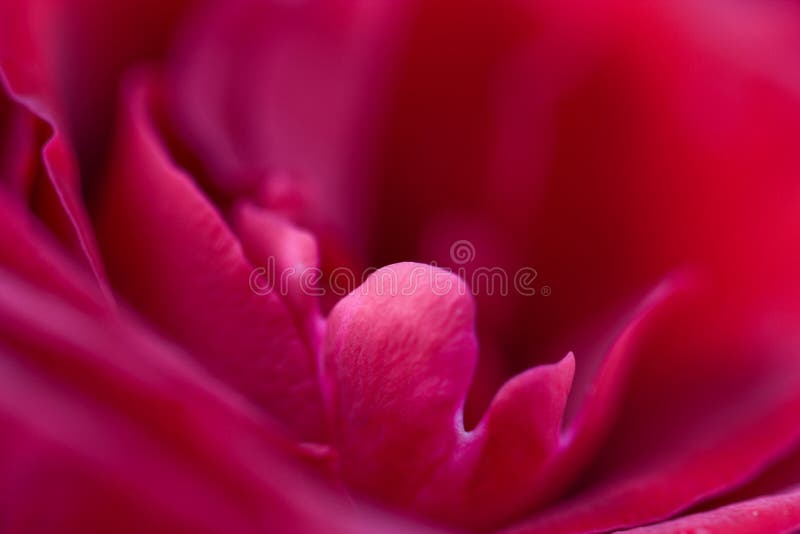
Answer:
(637, 162)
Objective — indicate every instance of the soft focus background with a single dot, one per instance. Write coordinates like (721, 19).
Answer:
(642, 157)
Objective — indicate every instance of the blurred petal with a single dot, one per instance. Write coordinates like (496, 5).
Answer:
(42, 170)
(771, 514)
(76, 52)
(173, 257)
(287, 255)
(264, 89)
(710, 406)
(28, 250)
(106, 427)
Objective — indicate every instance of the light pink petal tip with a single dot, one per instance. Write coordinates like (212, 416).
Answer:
(400, 352)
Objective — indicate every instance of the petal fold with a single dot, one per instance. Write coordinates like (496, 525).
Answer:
(173, 256)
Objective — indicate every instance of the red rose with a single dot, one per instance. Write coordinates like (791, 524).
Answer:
(586, 219)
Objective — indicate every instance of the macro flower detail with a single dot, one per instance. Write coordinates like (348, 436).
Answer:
(521, 266)
(401, 367)
(178, 262)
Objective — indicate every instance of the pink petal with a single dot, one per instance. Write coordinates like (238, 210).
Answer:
(174, 258)
(105, 427)
(621, 140)
(400, 354)
(287, 256)
(76, 52)
(766, 515)
(18, 146)
(51, 181)
(303, 78)
(400, 365)
(709, 406)
(31, 252)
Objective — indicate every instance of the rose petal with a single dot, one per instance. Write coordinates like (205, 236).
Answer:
(173, 257)
(52, 46)
(289, 258)
(105, 427)
(400, 353)
(50, 183)
(774, 513)
(27, 249)
(707, 410)
(305, 79)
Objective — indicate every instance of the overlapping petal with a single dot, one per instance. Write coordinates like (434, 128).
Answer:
(39, 167)
(171, 254)
(107, 427)
(76, 53)
(712, 405)
(604, 143)
(400, 354)
(770, 514)
(280, 100)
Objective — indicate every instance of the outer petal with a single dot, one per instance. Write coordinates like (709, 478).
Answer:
(772, 514)
(105, 427)
(28, 250)
(17, 145)
(710, 406)
(74, 53)
(40, 166)
(171, 254)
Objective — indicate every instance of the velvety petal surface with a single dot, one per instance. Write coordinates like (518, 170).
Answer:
(286, 263)
(107, 427)
(400, 354)
(78, 52)
(279, 101)
(709, 407)
(172, 255)
(773, 514)
(39, 166)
